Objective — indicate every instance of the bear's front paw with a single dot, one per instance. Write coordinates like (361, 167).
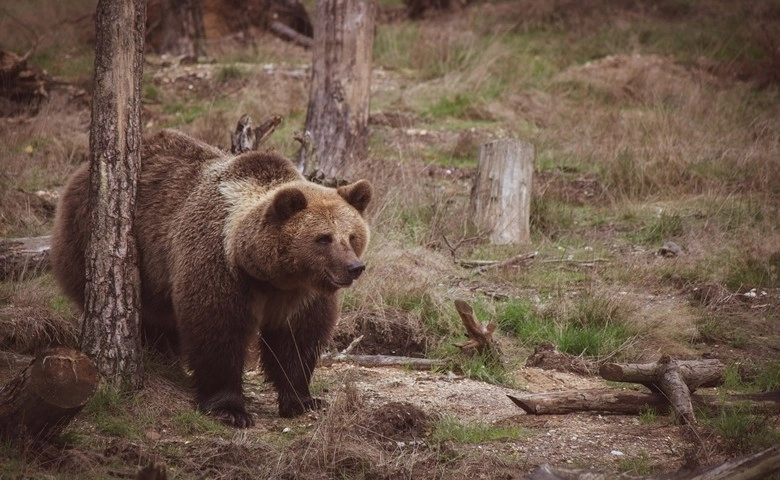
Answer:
(229, 408)
(294, 407)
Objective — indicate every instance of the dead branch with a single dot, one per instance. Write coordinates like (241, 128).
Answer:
(483, 266)
(632, 402)
(480, 336)
(286, 33)
(245, 138)
(384, 361)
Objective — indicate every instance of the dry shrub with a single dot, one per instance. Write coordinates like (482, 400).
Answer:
(28, 322)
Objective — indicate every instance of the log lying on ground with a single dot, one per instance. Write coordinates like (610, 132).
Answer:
(44, 397)
(675, 379)
(751, 467)
(631, 402)
(24, 257)
(383, 361)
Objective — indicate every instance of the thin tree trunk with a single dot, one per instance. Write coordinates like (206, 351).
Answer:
(111, 326)
(337, 115)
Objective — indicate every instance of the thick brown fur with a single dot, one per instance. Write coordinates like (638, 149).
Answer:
(229, 245)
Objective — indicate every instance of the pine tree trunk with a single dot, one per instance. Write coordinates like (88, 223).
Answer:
(337, 115)
(111, 327)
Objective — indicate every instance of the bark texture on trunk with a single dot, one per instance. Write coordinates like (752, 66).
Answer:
(501, 196)
(111, 327)
(337, 115)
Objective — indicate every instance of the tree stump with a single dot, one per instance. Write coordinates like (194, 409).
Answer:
(501, 194)
(41, 399)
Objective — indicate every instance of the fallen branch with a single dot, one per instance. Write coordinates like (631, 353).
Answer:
(384, 361)
(481, 266)
(675, 379)
(632, 402)
(286, 33)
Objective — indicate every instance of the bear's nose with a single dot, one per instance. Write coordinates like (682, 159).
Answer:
(356, 268)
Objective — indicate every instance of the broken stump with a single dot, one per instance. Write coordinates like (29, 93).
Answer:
(44, 397)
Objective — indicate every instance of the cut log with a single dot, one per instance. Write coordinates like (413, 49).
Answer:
(41, 400)
(697, 373)
(480, 336)
(631, 402)
(627, 402)
(501, 195)
(24, 257)
(676, 379)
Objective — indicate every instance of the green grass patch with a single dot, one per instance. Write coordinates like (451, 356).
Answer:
(452, 429)
(109, 413)
(192, 422)
(659, 229)
(640, 464)
(742, 430)
(753, 272)
(229, 72)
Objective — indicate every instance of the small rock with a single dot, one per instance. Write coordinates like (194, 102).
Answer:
(670, 249)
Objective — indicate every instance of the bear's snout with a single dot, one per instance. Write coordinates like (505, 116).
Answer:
(356, 268)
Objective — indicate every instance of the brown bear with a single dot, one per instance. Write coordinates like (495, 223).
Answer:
(228, 245)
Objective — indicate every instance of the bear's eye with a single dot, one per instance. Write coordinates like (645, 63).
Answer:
(324, 239)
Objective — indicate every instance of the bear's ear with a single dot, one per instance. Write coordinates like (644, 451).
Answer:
(286, 203)
(357, 194)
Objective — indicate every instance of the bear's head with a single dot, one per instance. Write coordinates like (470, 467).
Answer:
(304, 235)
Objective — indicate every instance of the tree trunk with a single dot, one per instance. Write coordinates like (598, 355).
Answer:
(182, 28)
(501, 196)
(337, 115)
(47, 394)
(111, 326)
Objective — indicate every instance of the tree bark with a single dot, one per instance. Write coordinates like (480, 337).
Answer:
(676, 379)
(697, 373)
(501, 196)
(110, 333)
(47, 394)
(337, 114)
